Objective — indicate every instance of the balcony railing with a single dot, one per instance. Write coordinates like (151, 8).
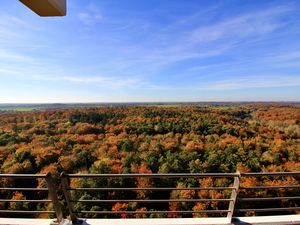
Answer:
(159, 192)
(51, 189)
(270, 199)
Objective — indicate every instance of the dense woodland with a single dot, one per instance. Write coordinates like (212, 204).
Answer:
(191, 138)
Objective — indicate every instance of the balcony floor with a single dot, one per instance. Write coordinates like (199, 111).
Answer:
(259, 220)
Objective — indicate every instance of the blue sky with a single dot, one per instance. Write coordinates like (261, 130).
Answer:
(154, 50)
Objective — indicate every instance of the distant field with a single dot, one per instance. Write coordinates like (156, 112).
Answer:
(18, 109)
(164, 105)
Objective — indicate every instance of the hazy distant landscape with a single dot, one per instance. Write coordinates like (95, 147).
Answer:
(14, 107)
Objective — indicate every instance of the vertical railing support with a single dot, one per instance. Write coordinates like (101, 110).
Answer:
(70, 205)
(234, 193)
(54, 199)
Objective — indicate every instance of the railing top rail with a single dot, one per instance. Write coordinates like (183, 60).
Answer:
(152, 175)
(259, 174)
(157, 200)
(149, 189)
(159, 175)
(156, 212)
(23, 189)
(270, 187)
(26, 176)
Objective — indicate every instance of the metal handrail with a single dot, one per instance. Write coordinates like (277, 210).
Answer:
(23, 176)
(269, 199)
(266, 187)
(155, 200)
(25, 212)
(234, 187)
(23, 189)
(271, 187)
(269, 209)
(156, 212)
(25, 200)
(152, 175)
(150, 189)
(50, 188)
(178, 175)
(65, 178)
(260, 174)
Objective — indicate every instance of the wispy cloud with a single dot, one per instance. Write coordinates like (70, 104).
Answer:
(38, 74)
(164, 48)
(12, 26)
(292, 55)
(247, 25)
(13, 56)
(249, 82)
(283, 59)
(88, 18)
(254, 82)
(113, 82)
(90, 15)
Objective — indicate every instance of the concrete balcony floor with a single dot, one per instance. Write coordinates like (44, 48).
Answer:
(258, 220)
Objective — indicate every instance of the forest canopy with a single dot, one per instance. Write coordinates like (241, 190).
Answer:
(194, 138)
(184, 138)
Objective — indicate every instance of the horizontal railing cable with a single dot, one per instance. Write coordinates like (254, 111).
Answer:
(150, 212)
(25, 200)
(152, 175)
(269, 209)
(23, 189)
(25, 212)
(153, 200)
(150, 189)
(23, 176)
(270, 198)
(258, 174)
(271, 187)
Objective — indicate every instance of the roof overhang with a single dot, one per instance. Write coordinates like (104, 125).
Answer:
(47, 7)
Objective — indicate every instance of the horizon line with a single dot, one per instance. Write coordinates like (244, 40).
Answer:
(150, 102)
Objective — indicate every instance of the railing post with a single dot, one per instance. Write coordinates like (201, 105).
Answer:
(236, 185)
(65, 187)
(54, 198)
